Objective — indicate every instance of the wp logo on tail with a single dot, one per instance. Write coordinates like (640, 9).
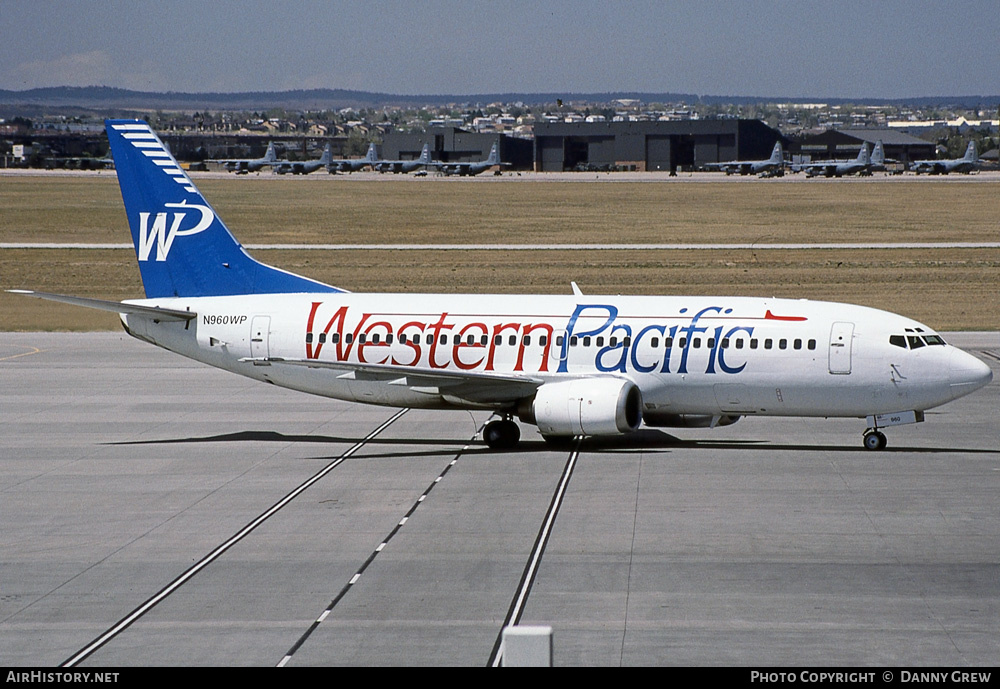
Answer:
(164, 238)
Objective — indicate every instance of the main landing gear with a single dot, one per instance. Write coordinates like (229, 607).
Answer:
(502, 434)
(874, 439)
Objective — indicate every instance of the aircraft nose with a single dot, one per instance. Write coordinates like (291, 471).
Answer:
(966, 373)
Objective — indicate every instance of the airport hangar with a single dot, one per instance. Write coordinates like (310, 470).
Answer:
(456, 145)
(646, 146)
(844, 144)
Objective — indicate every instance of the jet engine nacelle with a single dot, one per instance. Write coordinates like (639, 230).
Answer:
(585, 406)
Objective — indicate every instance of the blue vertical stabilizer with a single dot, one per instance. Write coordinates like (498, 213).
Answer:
(184, 249)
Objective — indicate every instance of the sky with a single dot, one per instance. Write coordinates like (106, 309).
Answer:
(794, 49)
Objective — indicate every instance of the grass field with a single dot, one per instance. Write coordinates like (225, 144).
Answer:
(948, 289)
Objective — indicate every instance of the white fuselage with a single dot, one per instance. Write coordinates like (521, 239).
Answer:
(688, 355)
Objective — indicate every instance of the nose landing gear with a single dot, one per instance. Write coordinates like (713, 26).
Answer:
(874, 439)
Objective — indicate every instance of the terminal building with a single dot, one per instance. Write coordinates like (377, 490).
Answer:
(683, 145)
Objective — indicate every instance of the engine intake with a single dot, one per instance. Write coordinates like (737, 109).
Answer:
(585, 406)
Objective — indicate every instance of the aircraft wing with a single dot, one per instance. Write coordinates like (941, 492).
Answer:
(468, 385)
(455, 168)
(347, 164)
(730, 168)
(817, 169)
(112, 306)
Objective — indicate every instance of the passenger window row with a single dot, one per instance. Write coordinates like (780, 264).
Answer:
(574, 341)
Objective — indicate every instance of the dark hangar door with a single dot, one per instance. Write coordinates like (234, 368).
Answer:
(669, 152)
(683, 153)
(576, 153)
(658, 152)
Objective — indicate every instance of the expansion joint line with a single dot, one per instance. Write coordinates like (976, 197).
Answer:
(371, 558)
(631, 557)
(127, 621)
(531, 568)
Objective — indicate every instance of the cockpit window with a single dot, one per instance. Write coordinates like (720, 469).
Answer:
(914, 341)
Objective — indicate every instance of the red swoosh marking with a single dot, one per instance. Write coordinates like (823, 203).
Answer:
(771, 317)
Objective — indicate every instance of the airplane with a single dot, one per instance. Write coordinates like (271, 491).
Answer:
(397, 166)
(878, 159)
(772, 167)
(243, 166)
(76, 163)
(837, 168)
(304, 167)
(572, 365)
(474, 168)
(353, 165)
(965, 164)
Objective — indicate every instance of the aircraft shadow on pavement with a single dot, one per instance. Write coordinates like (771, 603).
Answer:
(645, 439)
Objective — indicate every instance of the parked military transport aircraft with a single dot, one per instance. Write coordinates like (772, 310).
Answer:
(878, 159)
(837, 168)
(772, 167)
(243, 166)
(396, 166)
(573, 365)
(474, 168)
(352, 164)
(965, 164)
(304, 167)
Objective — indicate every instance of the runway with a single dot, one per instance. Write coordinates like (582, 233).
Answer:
(159, 512)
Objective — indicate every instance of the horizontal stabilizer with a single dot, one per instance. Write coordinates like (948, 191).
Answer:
(112, 306)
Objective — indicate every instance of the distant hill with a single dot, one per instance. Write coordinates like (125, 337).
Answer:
(106, 97)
